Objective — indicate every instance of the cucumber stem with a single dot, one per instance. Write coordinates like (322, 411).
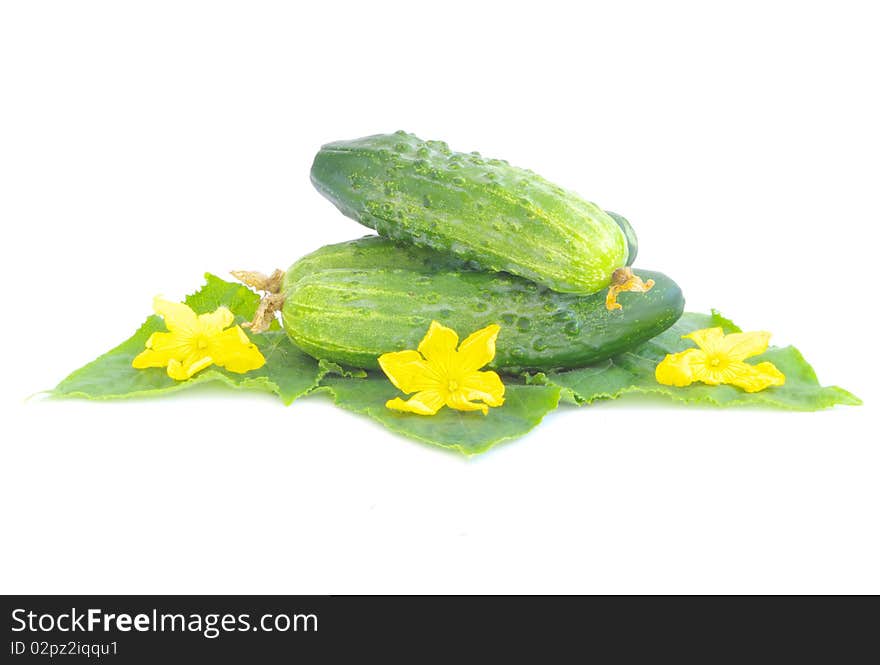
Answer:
(622, 280)
(260, 282)
(272, 300)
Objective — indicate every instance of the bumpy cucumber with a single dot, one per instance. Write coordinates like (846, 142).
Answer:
(351, 302)
(484, 211)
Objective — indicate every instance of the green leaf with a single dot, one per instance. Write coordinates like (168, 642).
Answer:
(329, 367)
(633, 373)
(288, 372)
(716, 319)
(467, 432)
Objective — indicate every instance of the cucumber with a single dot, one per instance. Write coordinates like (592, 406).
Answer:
(632, 242)
(367, 253)
(485, 212)
(351, 302)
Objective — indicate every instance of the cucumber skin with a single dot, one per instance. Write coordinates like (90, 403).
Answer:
(495, 216)
(351, 302)
(632, 241)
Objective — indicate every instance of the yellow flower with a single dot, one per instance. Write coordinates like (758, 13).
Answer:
(719, 359)
(195, 341)
(439, 374)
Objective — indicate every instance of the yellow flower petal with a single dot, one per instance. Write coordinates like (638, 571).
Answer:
(438, 346)
(439, 374)
(739, 346)
(408, 371)
(676, 368)
(176, 345)
(178, 317)
(424, 403)
(177, 371)
(195, 342)
(163, 347)
(719, 360)
(478, 349)
(233, 350)
(753, 378)
(483, 386)
(772, 371)
(216, 321)
(708, 339)
(150, 358)
(457, 400)
(181, 371)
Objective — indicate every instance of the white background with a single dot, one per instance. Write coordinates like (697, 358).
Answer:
(142, 144)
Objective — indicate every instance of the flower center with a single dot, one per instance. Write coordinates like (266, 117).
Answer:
(716, 362)
(452, 386)
(201, 343)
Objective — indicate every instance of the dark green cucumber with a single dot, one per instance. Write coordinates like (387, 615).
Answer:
(349, 303)
(483, 211)
(632, 242)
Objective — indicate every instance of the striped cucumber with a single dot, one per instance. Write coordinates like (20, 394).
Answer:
(485, 212)
(351, 302)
